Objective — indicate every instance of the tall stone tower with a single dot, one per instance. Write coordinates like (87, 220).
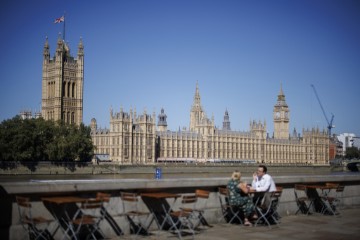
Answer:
(162, 123)
(63, 84)
(281, 117)
(226, 122)
(197, 113)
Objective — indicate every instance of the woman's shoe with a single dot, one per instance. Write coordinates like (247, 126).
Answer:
(247, 223)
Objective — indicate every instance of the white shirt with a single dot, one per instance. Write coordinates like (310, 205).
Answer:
(264, 184)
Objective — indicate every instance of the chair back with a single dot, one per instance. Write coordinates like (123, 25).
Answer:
(340, 189)
(187, 199)
(129, 201)
(277, 193)
(275, 198)
(91, 203)
(223, 195)
(104, 197)
(332, 185)
(202, 199)
(188, 202)
(24, 207)
(300, 193)
(129, 197)
(202, 193)
(223, 191)
(300, 187)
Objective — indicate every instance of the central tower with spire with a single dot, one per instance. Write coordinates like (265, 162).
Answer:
(197, 113)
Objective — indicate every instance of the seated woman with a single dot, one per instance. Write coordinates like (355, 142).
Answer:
(238, 196)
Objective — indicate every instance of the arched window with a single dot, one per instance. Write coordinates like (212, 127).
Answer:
(73, 90)
(63, 89)
(68, 117)
(68, 89)
(72, 117)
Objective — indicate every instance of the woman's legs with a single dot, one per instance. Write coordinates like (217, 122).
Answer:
(248, 209)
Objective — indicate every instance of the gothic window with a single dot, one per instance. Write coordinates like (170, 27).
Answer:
(68, 117)
(149, 155)
(63, 89)
(49, 90)
(73, 90)
(72, 117)
(68, 89)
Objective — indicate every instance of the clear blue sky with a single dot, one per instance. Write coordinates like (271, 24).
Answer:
(150, 54)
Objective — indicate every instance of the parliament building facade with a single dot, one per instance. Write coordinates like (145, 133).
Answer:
(142, 138)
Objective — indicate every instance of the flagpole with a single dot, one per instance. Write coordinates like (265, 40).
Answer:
(64, 28)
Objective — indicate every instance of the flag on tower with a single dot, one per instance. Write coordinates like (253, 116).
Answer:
(59, 20)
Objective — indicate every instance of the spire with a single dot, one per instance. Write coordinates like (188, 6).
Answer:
(46, 51)
(281, 98)
(197, 99)
(81, 48)
(46, 42)
(60, 45)
(281, 90)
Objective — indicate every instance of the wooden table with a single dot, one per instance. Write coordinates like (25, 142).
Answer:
(63, 208)
(157, 204)
(311, 192)
(63, 199)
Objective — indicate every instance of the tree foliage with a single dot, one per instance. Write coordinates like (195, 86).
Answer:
(41, 140)
(352, 152)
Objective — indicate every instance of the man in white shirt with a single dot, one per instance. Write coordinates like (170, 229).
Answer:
(262, 182)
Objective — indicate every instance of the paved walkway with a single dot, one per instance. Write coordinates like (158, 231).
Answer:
(344, 226)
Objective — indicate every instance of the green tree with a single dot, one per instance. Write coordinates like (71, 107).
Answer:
(352, 152)
(41, 140)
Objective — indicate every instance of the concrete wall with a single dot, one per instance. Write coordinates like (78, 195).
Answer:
(11, 229)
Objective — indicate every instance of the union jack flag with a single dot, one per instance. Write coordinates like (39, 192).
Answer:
(59, 20)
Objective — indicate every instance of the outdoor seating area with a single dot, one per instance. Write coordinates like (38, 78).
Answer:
(179, 213)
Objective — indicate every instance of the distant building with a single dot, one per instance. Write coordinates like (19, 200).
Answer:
(356, 142)
(135, 139)
(347, 140)
(63, 83)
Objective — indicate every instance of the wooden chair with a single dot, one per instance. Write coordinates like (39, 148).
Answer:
(201, 206)
(182, 220)
(303, 203)
(268, 213)
(138, 220)
(331, 202)
(36, 226)
(86, 221)
(230, 213)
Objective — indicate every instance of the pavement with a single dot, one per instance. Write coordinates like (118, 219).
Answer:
(346, 225)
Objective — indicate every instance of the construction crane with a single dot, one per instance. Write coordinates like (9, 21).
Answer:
(330, 123)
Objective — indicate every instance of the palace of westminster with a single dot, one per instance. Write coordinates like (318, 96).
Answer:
(142, 138)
